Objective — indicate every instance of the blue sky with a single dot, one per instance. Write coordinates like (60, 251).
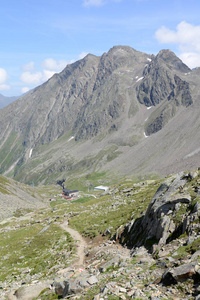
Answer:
(40, 37)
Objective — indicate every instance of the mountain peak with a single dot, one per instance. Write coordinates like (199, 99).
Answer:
(123, 50)
(99, 110)
(172, 60)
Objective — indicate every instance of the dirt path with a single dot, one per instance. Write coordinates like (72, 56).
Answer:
(81, 244)
(33, 290)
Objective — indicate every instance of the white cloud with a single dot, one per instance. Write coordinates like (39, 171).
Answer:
(191, 59)
(53, 65)
(47, 74)
(186, 37)
(25, 90)
(3, 76)
(29, 67)
(48, 68)
(32, 78)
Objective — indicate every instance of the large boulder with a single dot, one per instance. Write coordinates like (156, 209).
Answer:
(169, 215)
(73, 286)
(158, 221)
(181, 273)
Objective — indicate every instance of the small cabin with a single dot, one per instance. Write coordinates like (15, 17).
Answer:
(70, 193)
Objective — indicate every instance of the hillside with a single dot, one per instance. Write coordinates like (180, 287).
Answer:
(124, 113)
(17, 198)
(77, 249)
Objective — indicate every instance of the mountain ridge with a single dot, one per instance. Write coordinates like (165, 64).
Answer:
(105, 113)
(4, 101)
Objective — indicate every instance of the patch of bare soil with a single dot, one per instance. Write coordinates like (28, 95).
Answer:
(80, 244)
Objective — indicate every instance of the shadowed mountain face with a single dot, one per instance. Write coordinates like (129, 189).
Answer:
(126, 112)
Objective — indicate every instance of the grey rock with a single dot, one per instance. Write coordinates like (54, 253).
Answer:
(181, 273)
(196, 207)
(190, 240)
(110, 287)
(137, 293)
(158, 86)
(104, 291)
(161, 264)
(92, 280)
(107, 232)
(122, 290)
(71, 287)
(171, 259)
(157, 224)
(44, 229)
(113, 262)
(84, 283)
(195, 255)
(59, 288)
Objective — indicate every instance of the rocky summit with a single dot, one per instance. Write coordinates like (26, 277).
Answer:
(124, 113)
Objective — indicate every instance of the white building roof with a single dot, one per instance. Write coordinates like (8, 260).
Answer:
(101, 187)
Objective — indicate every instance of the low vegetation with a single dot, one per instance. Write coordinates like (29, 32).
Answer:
(36, 244)
(34, 247)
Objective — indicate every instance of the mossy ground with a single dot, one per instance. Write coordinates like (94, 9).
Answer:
(32, 248)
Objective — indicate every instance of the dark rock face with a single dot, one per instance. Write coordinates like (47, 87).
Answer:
(161, 84)
(181, 92)
(172, 61)
(84, 98)
(159, 81)
(159, 225)
(108, 99)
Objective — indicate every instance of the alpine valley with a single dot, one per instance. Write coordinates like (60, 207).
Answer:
(125, 120)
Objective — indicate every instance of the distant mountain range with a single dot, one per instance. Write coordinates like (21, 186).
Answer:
(4, 101)
(124, 113)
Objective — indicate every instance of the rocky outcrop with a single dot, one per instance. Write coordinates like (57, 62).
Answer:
(162, 85)
(180, 95)
(74, 286)
(108, 100)
(160, 81)
(181, 273)
(170, 214)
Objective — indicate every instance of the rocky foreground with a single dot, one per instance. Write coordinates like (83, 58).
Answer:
(154, 256)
